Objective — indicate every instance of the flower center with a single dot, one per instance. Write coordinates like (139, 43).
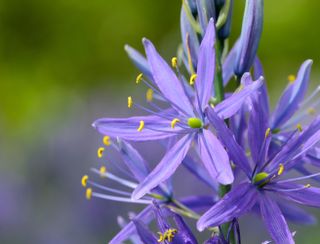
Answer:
(195, 123)
(260, 177)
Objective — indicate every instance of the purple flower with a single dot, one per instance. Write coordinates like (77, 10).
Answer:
(263, 186)
(185, 118)
(250, 36)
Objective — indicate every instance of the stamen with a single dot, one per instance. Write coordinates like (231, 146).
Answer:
(174, 122)
(130, 102)
(281, 169)
(192, 79)
(189, 54)
(84, 180)
(106, 140)
(119, 199)
(291, 79)
(299, 178)
(102, 171)
(141, 126)
(267, 132)
(174, 62)
(289, 190)
(149, 95)
(167, 235)
(307, 186)
(88, 193)
(100, 152)
(109, 189)
(299, 127)
(139, 78)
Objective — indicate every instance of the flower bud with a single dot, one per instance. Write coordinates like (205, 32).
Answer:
(250, 36)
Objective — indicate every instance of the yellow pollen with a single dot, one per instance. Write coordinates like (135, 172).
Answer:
(291, 78)
(139, 78)
(84, 180)
(193, 79)
(100, 152)
(130, 102)
(149, 95)
(307, 186)
(106, 140)
(167, 236)
(174, 122)
(88, 193)
(281, 169)
(299, 127)
(141, 126)
(311, 111)
(174, 62)
(102, 171)
(267, 133)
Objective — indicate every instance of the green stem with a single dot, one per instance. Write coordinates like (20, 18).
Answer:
(219, 95)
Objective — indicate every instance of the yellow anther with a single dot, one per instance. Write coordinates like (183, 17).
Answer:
(192, 79)
(291, 78)
(167, 236)
(174, 122)
(139, 78)
(88, 193)
(281, 169)
(100, 152)
(299, 127)
(174, 62)
(141, 126)
(307, 186)
(311, 111)
(84, 180)
(102, 171)
(106, 140)
(149, 95)
(267, 133)
(130, 102)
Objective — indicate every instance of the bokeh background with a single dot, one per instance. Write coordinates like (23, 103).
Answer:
(62, 65)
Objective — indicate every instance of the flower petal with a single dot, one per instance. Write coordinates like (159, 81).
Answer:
(215, 158)
(127, 128)
(292, 96)
(274, 221)
(232, 104)
(145, 235)
(206, 10)
(165, 168)
(139, 61)
(146, 216)
(168, 83)
(236, 153)
(263, 96)
(228, 64)
(234, 204)
(206, 66)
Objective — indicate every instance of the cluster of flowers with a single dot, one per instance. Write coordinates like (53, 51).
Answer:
(230, 141)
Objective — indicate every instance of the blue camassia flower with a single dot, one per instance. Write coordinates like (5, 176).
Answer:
(263, 186)
(185, 117)
(136, 169)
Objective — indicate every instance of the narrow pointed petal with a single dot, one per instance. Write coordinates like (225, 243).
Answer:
(215, 158)
(250, 36)
(187, 30)
(307, 196)
(166, 80)
(236, 153)
(145, 235)
(274, 221)
(198, 203)
(145, 216)
(228, 64)
(206, 66)
(127, 128)
(296, 214)
(139, 61)
(184, 234)
(232, 104)
(165, 168)
(263, 96)
(292, 96)
(237, 202)
(206, 11)
(133, 160)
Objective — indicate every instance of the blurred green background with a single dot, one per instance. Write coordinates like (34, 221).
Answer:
(62, 65)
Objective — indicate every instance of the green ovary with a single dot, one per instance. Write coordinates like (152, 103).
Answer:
(195, 123)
